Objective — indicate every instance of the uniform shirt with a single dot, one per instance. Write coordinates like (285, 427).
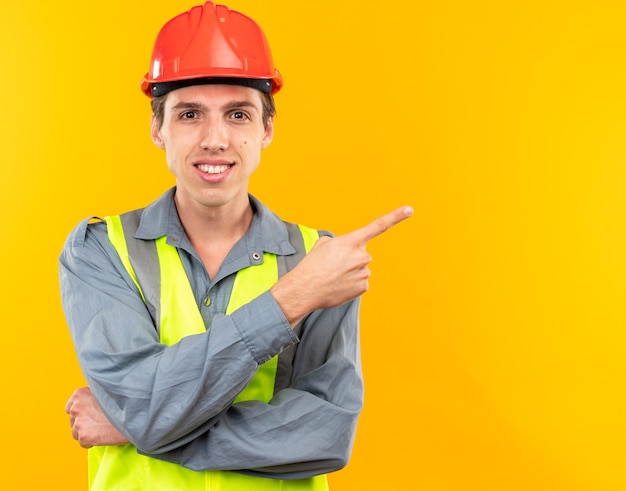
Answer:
(176, 402)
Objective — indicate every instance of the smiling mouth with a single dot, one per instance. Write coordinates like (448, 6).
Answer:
(213, 169)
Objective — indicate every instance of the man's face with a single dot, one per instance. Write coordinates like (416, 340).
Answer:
(212, 136)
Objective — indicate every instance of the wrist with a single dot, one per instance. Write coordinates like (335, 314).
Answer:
(291, 300)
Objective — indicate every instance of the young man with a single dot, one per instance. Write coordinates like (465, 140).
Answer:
(219, 354)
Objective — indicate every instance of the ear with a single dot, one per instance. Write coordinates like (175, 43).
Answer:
(156, 133)
(269, 133)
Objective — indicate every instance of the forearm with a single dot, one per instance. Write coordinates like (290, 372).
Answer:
(309, 437)
(306, 429)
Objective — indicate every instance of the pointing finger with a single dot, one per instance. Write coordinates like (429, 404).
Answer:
(382, 224)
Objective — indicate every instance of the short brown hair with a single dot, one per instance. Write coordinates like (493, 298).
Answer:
(158, 108)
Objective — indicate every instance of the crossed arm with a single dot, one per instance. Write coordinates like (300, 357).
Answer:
(329, 279)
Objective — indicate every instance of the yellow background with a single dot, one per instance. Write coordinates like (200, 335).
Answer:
(493, 332)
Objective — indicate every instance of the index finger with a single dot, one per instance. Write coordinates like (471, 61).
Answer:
(382, 224)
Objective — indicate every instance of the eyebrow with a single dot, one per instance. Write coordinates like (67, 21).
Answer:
(188, 105)
(227, 107)
(239, 105)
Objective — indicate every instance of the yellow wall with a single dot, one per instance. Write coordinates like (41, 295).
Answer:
(493, 333)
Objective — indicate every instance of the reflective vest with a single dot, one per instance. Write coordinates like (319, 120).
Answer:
(176, 315)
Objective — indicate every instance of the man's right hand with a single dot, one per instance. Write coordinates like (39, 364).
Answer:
(334, 272)
(89, 425)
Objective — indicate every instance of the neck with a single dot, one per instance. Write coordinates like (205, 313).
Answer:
(216, 225)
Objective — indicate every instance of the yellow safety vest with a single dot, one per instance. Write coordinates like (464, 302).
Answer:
(121, 467)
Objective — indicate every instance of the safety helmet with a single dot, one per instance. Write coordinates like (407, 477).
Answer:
(211, 44)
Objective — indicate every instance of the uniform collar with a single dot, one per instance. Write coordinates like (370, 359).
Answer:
(267, 231)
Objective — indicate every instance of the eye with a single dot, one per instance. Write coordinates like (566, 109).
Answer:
(189, 115)
(239, 115)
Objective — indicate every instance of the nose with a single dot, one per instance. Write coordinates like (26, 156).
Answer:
(215, 136)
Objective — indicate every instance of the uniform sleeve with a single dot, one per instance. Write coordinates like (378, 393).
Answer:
(307, 428)
(157, 395)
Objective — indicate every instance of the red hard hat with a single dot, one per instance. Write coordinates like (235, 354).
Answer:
(211, 41)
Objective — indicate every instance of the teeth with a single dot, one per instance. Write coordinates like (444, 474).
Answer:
(213, 169)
